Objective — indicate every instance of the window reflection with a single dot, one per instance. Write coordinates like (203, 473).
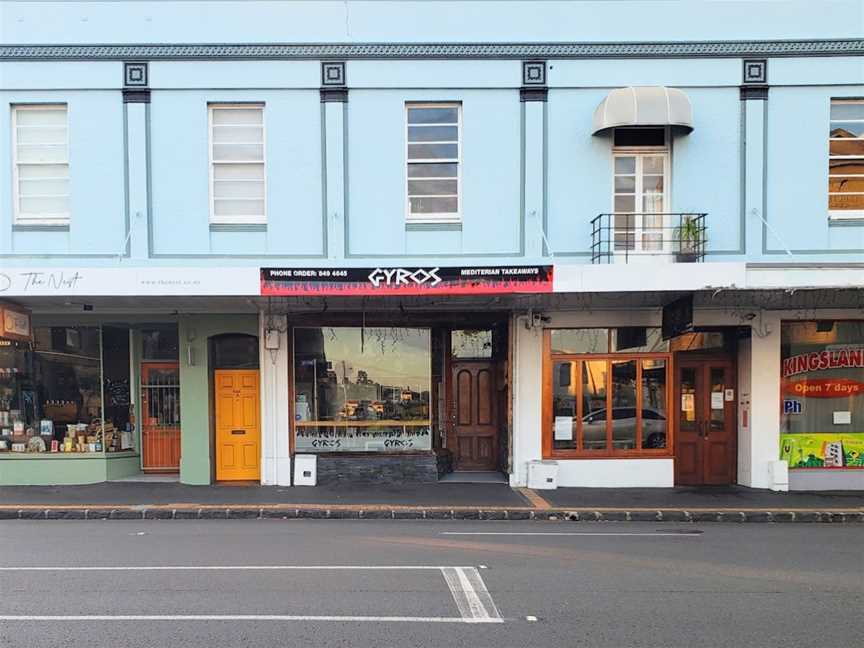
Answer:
(653, 404)
(362, 389)
(594, 405)
(471, 343)
(580, 340)
(564, 405)
(624, 404)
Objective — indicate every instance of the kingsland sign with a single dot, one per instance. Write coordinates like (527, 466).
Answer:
(431, 280)
(841, 358)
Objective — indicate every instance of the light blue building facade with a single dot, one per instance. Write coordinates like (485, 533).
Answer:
(194, 193)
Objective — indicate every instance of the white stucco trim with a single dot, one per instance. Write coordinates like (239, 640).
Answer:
(617, 473)
(647, 277)
(275, 423)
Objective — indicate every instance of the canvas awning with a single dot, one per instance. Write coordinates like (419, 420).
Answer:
(644, 106)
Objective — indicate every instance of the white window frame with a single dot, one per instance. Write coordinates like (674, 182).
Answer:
(640, 152)
(444, 217)
(211, 163)
(842, 214)
(48, 219)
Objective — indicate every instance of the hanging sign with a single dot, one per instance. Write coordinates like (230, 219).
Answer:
(431, 280)
(15, 323)
(677, 317)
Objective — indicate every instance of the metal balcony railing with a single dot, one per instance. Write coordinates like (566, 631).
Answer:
(625, 237)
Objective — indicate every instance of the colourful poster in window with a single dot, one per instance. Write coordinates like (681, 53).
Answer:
(823, 450)
(822, 394)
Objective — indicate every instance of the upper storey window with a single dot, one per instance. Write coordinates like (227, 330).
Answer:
(433, 159)
(237, 173)
(846, 159)
(41, 164)
(640, 193)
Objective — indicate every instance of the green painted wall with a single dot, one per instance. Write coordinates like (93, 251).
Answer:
(51, 470)
(196, 402)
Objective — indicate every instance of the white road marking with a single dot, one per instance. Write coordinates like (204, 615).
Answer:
(227, 568)
(470, 594)
(539, 533)
(238, 617)
(472, 598)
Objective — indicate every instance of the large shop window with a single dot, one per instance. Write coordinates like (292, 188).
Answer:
(608, 393)
(822, 400)
(362, 389)
(58, 396)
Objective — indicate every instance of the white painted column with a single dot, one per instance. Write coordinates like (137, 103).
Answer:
(527, 398)
(534, 145)
(754, 107)
(136, 119)
(334, 113)
(762, 445)
(275, 422)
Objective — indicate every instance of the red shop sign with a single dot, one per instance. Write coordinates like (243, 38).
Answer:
(823, 388)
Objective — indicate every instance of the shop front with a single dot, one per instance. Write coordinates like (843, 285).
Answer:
(66, 413)
(393, 399)
(394, 374)
(89, 398)
(627, 394)
(822, 402)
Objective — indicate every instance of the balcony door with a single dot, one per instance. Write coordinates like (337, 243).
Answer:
(640, 203)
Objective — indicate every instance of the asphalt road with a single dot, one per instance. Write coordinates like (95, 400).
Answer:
(398, 583)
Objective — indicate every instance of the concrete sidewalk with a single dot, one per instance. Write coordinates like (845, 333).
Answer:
(425, 501)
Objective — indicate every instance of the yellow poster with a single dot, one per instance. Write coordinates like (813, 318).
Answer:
(837, 450)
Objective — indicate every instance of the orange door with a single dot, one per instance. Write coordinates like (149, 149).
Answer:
(160, 416)
(238, 428)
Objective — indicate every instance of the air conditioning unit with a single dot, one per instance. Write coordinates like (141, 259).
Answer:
(305, 470)
(543, 475)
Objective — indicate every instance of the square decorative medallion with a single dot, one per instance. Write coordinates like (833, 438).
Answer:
(333, 73)
(755, 71)
(533, 73)
(135, 74)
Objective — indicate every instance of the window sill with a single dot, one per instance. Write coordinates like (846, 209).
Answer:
(238, 227)
(847, 219)
(633, 454)
(40, 227)
(433, 226)
(58, 456)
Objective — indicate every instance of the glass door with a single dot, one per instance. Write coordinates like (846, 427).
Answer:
(639, 203)
(705, 444)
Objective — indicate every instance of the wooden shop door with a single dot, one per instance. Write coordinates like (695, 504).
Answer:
(474, 415)
(160, 417)
(238, 427)
(705, 406)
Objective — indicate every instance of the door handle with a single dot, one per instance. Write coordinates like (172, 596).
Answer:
(700, 429)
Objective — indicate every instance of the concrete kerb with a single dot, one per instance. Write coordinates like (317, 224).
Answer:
(383, 512)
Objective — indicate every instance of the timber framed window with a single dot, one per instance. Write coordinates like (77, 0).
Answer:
(846, 160)
(607, 393)
(640, 195)
(433, 159)
(40, 169)
(238, 186)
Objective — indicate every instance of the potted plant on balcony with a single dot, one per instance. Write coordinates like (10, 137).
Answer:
(688, 235)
